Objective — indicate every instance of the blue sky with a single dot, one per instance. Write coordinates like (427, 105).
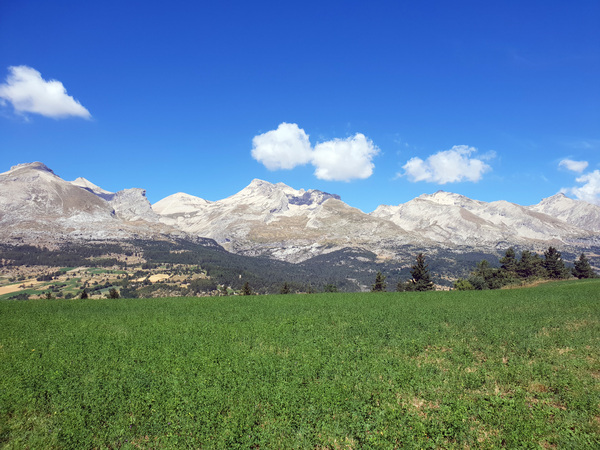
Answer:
(378, 101)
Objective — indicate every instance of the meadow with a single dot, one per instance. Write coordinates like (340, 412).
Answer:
(484, 369)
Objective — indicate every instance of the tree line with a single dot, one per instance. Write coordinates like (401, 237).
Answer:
(512, 270)
(530, 266)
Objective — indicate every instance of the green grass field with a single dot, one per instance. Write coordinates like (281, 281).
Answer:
(479, 369)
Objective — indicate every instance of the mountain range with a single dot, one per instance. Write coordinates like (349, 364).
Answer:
(280, 222)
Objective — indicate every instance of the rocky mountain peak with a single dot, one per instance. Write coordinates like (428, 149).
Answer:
(446, 198)
(261, 185)
(557, 200)
(575, 212)
(32, 166)
(179, 203)
(258, 189)
(86, 184)
(132, 205)
(311, 197)
(38, 206)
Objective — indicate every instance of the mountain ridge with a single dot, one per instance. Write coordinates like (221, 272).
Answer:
(281, 222)
(39, 207)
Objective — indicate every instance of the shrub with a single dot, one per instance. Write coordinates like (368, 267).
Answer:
(463, 285)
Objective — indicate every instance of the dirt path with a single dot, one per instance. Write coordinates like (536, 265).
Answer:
(10, 289)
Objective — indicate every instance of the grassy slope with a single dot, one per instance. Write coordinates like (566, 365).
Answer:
(516, 368)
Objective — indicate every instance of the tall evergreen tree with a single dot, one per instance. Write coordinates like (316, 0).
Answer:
(530, 265)
(509, 261)
(421, 279)
(380, 283)
(583, 269)
(554, 264)
(84, 294)
(285, 289)
(246, 290)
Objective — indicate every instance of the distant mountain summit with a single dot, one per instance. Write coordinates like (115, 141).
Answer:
(575, 212)
(89, 186)
(280, 222)
(453, 219)
(32, 192)
(37, 206)
(277, 221)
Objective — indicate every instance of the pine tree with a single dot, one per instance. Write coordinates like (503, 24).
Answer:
(509, 261)
(421, 279)
(380, 283)
(285, 289)
(530, 265)
(84, 294)
(246, 290)
(554, 264)
(487, 277)
(583, 269)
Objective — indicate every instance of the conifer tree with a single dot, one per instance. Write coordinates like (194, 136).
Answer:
(554, 264)
(285, 289)
(530, 265)
(509, 261)
(246, 290)
(421, 279)
(380, 283)
(583, 269)
(84, 294)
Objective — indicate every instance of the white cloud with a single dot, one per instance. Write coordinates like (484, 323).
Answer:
(336, 160)
(574, 166)
(284, 148)
(28, 92)
(449, 166)
(590, 191)
(344, 159)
